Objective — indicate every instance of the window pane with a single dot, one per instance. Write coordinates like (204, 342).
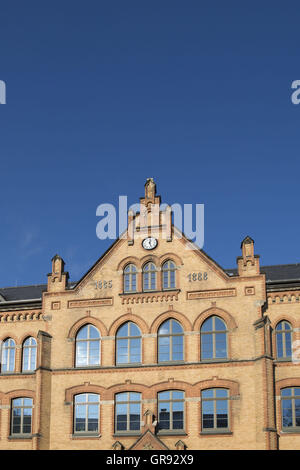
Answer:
(288, 344)
(123, 330)
(221, 392)
(297, 412)
(220, 345)
(122, 396)
(164, 328)
(176, 327)
(134, 330)
(164, 396)
(82, 398)
(94, 333)
(219, 325)
(207, 325)
(177, 395)
(81, 353)
(208, 393)
(83, 333)
(287, 414)
(93, 397)
(222, 414)
(279, 345)
(134, 396)
(93, 413)
(206, 346)
(286, 392)
(27, 402)
(208, 414)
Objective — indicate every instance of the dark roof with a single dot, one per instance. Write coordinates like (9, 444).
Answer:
(23, 292)
(281, 273)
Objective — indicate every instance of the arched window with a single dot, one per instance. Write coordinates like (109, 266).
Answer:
(8, 355)
(149, 277)
(21, 416)
(128, 412)
(213, 339)
(29, 354)
(86, 413)
(130, 277)
(170, 341)
(128, 347)
(284, 340)
(88, 346)
(215, 414)
(168, 275)
(171, 410)
(290, 408)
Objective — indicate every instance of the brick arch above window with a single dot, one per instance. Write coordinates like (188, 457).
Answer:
(10, 336)
(286, 318)
(170, 257)
(126, 318)
(21, 393)
(218, 312)
(129, 260)
(173, 385)
(150, 259)
(84, 388)
(127, 387)
(171, 314)
(216, 382)
(87, 321)
(286, 383)
(29, 334)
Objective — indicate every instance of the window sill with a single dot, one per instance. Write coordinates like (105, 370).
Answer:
(221, 359)
(216, 432)
(132, 364)
(20, 436)
(127, 434)
(290, 431)
(172, 433)
(86, 436)
(170, 362)
(283, 359)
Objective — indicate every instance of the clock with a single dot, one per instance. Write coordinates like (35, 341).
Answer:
(149, 243)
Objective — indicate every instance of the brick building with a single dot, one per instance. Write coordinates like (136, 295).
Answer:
(156, 347)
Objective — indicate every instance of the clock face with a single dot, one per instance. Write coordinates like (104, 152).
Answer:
(149, 243)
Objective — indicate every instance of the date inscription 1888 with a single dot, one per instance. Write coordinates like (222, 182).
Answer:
(197, 277)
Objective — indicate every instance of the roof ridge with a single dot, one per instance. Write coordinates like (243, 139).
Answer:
(27, 285)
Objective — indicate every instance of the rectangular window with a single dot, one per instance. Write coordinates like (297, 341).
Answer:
(171, 410)
(21, 416)
(128, 412)
(86, 413)
(215, 409)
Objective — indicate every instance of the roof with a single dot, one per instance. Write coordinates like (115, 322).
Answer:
(277, 274)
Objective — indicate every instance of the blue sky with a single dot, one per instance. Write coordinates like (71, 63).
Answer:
(103, 94)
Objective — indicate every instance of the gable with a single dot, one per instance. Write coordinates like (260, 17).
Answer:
(148, 441)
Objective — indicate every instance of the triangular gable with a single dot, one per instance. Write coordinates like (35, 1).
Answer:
(148, 441)
(181, 237)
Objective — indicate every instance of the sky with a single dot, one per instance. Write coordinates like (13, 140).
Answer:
(101, 95)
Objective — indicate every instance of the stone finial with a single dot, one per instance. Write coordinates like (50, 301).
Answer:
(57, 279)
(117, 445)
(150, 190)
(248, 263)
(180, 445)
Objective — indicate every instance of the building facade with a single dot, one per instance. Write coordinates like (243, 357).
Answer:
(156, 347)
